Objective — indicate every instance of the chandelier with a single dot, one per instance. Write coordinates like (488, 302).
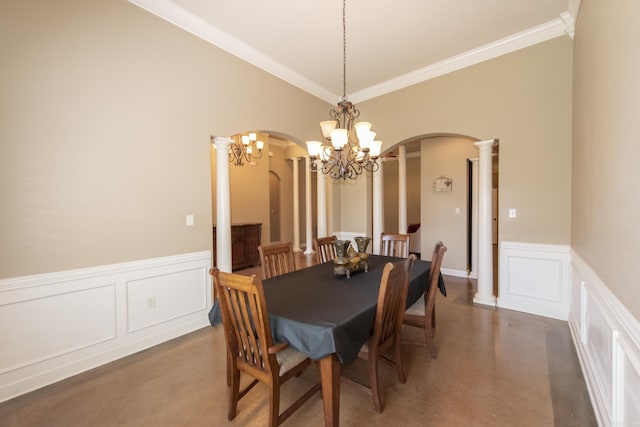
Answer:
(348, 148)
(245, 147)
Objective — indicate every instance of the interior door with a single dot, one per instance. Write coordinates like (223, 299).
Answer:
(274, 206)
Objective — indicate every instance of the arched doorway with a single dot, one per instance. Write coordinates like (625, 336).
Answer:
(449, 215)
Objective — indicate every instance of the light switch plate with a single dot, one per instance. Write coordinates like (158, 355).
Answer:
(513, 213)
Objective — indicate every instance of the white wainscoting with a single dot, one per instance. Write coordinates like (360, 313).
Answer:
(535, 278)
(607, 339)
(53, 326)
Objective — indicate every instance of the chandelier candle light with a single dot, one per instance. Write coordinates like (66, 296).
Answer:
(244, 148)
(341, 155)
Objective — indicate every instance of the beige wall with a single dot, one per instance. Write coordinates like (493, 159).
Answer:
(280, 162)
(524, 99)
(354, 205)
(105, 118)
(106, 114)
(390, 189)
(446, 156)
(606, 150)
(283, 168)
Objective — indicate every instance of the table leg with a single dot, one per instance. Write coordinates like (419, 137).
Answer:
(330, 379)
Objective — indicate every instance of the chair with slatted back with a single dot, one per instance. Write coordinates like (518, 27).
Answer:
(276, 259)
(422, 314)
(392, 299)
(394, 245)
(324, 248)
(250, 347)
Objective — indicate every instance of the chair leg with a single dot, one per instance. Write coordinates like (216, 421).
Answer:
(234, 392)
(228, 369)
(433, 316)
(274, 405)
(373, 380)
(428, 336)
(398, 360)
(319, 376)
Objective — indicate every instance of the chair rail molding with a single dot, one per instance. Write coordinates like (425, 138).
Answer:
(60, 324)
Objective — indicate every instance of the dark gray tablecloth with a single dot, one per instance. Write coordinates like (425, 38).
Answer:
(318, 313)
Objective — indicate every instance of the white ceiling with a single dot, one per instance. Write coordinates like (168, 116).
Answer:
(390, 44)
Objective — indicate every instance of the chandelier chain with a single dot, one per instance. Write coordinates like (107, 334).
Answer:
(344, 50)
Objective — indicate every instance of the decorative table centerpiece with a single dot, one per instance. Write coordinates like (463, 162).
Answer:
(347, 260)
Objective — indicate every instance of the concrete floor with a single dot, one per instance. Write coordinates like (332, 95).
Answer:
(494, 368)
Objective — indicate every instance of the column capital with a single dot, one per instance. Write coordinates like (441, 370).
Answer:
(221, 141)
(486, 144)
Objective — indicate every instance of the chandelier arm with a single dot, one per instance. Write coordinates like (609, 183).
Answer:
(239, 151)
(235, 155)
(330, 169)
(372, 166)
(355, 169)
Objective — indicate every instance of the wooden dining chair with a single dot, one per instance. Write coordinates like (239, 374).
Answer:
(422, 314)
(394, 245)
(250, 347)
(324, 248)
(392, 298)
(276, 259)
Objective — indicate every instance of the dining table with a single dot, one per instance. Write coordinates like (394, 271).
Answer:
(328, 316)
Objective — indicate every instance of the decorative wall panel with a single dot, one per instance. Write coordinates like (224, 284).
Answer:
(56, 325)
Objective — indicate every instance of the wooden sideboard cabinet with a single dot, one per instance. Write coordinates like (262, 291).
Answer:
(245, 239)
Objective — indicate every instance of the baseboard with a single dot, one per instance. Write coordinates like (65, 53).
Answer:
(535, 278)
(607, 339)
(60, 324)
(454, 273)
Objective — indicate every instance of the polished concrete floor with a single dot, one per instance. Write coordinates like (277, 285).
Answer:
(494, 368)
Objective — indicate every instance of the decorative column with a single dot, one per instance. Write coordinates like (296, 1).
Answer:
(223, 205)
(296, 205)
(402, 189)
(474, 218)
(485, 249)
(322, 204)
(309, 229)
(378, 208)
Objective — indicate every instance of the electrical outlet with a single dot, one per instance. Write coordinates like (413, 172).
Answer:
(151, 303)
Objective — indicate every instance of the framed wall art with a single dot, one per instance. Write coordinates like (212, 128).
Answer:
(442, 184)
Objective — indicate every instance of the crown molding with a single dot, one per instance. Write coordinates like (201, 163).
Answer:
(521, 40)
(197, 26)
(569, 17)
(569, 23)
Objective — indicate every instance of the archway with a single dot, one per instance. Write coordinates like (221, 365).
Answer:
(450, 215)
